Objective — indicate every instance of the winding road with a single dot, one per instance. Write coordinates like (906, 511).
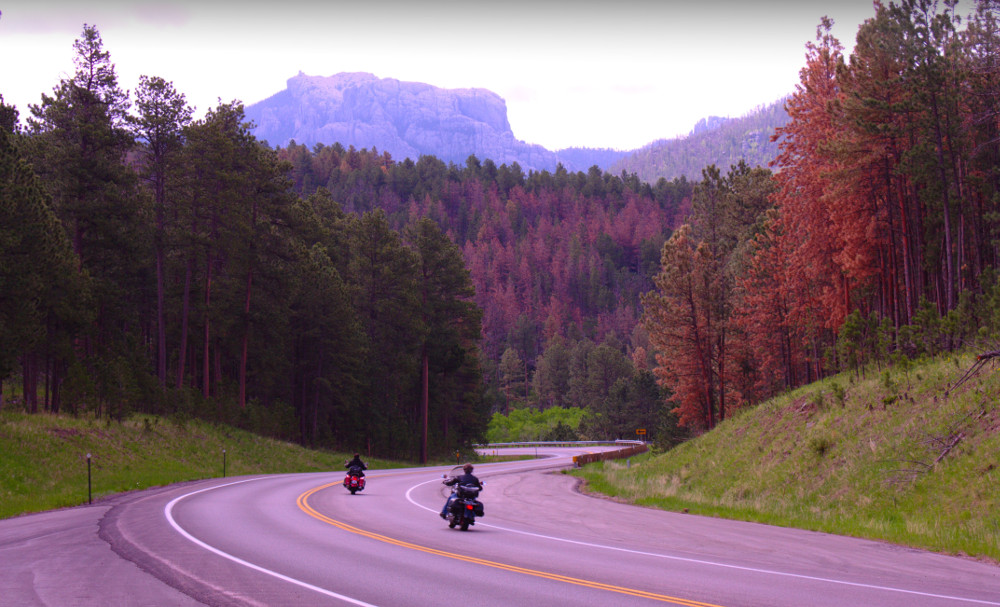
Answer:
(302, 539)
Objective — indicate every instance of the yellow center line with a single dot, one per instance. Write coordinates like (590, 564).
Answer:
(303, 502)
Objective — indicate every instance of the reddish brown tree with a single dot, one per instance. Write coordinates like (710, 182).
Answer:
(679, 318)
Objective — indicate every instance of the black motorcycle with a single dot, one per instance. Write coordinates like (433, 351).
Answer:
(464, 508)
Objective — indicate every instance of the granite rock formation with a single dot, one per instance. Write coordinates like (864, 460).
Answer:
(406, 119)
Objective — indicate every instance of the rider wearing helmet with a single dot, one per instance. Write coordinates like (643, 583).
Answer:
(463, 479)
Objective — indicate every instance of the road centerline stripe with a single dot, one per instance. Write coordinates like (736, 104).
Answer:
(722, 565)
(303, 502)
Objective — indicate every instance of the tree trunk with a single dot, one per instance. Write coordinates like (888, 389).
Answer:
(246, 342)
(526, 385)
(424, 403)
(218, 370)
(721, 351)
(161, 329)
(949, 262)
(907, 256)
(703, 357)
(186, 309)
(29, 378)
(206, 360)
(57, 379)
(47, 388)
(314, 417)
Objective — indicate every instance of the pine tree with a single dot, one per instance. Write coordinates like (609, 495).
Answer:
(382, 272)
(453, 329)
(78, 141)
(45, 298)
(163, 115)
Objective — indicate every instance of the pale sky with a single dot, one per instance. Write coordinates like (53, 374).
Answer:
(592, 73)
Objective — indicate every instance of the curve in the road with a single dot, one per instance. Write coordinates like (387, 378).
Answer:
(303, 502)
(714, 563)
(312, 501)
(168, 513)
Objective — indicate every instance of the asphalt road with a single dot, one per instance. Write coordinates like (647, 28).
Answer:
(302, 539)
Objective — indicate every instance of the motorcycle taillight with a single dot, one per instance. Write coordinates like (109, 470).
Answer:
(468, 507)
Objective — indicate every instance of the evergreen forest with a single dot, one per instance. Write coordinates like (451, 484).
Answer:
(153, 262)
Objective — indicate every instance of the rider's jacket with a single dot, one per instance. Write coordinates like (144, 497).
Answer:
(356, 463)
(464, 479)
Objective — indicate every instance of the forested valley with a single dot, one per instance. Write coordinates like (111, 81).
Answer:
(153, 262)
(335, 297)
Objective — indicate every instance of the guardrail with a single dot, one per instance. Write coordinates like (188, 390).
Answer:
(636, 447)
(561, 443)
(589, 458)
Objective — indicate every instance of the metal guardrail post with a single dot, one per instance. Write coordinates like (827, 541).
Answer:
(90, 499)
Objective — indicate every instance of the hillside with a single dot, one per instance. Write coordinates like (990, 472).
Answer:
(573, 251)
(44, 462)
(891, 456)
(714, 140)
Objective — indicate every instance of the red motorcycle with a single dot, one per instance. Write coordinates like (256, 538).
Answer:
(354, 481)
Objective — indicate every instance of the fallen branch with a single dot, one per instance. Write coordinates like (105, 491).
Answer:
(981, 361)
(924, 465)
(898, 476)
(955, 439)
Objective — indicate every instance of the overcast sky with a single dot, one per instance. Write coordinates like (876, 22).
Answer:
(607, 73)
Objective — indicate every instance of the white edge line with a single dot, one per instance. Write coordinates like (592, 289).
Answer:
(168, 512)
(713, 563)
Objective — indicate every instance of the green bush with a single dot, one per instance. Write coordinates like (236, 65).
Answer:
(528, 424)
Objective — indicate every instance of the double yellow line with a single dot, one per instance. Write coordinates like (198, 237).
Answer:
(303, 502)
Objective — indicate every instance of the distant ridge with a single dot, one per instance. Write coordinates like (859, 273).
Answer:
(581, 159)
(411, 119)
(406, 119)
(714, 140)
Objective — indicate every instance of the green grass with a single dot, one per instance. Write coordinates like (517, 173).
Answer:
(43, 458)
(873, 463)
(495, 459)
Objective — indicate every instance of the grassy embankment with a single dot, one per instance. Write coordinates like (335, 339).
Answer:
(43, 461)
(890, 456)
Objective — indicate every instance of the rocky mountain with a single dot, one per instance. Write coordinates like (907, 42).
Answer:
(708, 124)
(406, 119)
(411, 119)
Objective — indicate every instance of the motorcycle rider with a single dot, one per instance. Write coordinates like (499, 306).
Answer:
(464, 479)
(356, 464)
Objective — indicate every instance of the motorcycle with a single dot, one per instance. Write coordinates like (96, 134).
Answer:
(354, 481)
(464, 508)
